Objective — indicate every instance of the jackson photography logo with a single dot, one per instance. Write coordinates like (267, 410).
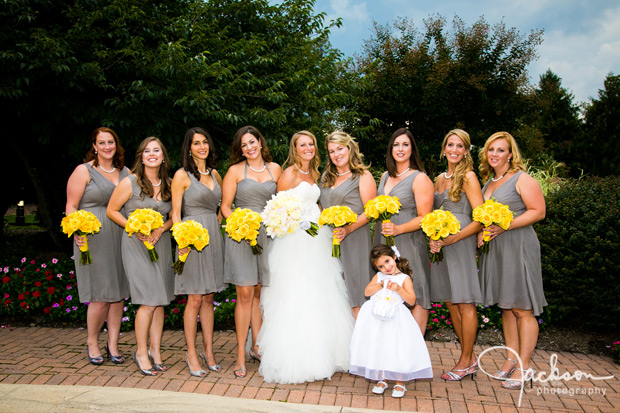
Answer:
(553, 375)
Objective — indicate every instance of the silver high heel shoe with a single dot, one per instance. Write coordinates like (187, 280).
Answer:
(526, 375)
(501, 375)
(195, 373)
(215, 367)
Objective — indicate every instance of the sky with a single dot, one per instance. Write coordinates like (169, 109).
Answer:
(581, 40)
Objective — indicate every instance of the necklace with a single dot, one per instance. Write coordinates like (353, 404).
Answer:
(344, 173)
(105, 170)
(495, 180)
(159, 183)
(445, 174)
(258, 170)
(403, 172)
(203, 173)
(303, 172)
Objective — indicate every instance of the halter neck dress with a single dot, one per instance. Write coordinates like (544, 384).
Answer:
(241, 267)
(104, 280)
(355, 248)
(411, 245)
(455, 278)
(511, 274)
(203, 272)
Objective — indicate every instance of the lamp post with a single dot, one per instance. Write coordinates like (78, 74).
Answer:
(20, 218)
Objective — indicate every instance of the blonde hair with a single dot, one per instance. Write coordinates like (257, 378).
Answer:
(465, 165)
(356, 163)
(293, 156)
(516, 164)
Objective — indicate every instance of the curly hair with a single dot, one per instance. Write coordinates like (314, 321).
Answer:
(294, 159)
(380, 250)
(516, 163)
(356, 162)
(465, 165)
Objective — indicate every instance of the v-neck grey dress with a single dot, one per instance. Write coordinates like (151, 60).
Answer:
(455, 278)
(203, 272)
(411, 245)
(241, 267)
(355, 248)
(104, 280)
(511, 274)
(150, 283)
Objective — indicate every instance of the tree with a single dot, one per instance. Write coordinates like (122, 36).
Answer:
(155, 68)
(437, 79)
(598, 152)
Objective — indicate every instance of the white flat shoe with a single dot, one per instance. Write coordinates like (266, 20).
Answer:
(378, 389)
(398, 393)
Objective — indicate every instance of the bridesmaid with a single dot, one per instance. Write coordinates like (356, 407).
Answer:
(511, 274)
(196, 195)
(250, 182)
(103, 283)
(454, 280)
(347, 181)
(151, 283)
(406, 179)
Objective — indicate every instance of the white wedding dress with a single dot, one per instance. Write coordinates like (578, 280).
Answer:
(307, 321)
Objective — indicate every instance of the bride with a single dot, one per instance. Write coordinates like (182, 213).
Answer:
(307, 321)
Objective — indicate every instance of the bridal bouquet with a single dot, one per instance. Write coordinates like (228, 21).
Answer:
(188, 234)
(439, 224)
(489, 213)
(244, 224)
(145, 220)
(81, 222)
(382, 208)
(283, 215)
(337, 216)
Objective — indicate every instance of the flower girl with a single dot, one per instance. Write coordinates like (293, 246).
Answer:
(387, 343)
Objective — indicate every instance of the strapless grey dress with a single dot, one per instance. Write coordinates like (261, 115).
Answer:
(355, 248)
(150, 283)
(411, 245)
(104, 280)
(455, 278)
(241, 267)
(511, 274)
(203, 272)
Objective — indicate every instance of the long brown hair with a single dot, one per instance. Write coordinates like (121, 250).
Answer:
(414, 159)
(380, 250)
(356, 159)
(187, 160)
(235, 150)
(293, 156)
(465, 165)
(516, 164)
(146, 188)
(119, 156)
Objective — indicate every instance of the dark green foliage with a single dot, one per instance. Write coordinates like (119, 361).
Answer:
(580, 245)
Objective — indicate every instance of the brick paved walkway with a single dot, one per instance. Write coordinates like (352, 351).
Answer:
(56, 357)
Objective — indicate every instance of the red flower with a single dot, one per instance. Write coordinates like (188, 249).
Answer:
(22, 304)
(61, 302)
(21, 297)
(7, 302)
(6, 279)
(27, 292)
(51, 290)
(49, 278)
(37, 283)
(37, 270)
(36, 294)
(47, 310)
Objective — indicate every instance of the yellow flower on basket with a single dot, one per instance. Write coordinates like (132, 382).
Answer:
(337, 216)
(489, 213)
(144, 221)
(381, 208)
(244, 224)
(81, 222)
(439, 224)
(188, 234)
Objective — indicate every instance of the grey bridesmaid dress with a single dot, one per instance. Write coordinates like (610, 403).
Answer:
(411, 245)
(104, 280)
(203, 272)
(511, 274)
(355, 248)
(241, 267)
(150, 283)
(455, 278)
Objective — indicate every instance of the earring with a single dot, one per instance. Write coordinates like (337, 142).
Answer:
(465, 156)
(95, 152)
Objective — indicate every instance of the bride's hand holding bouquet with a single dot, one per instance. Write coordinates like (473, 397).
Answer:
(337, 216)
(244, 224)
(381, 208)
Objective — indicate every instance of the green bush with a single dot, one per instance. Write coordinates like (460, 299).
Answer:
(581, 253)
